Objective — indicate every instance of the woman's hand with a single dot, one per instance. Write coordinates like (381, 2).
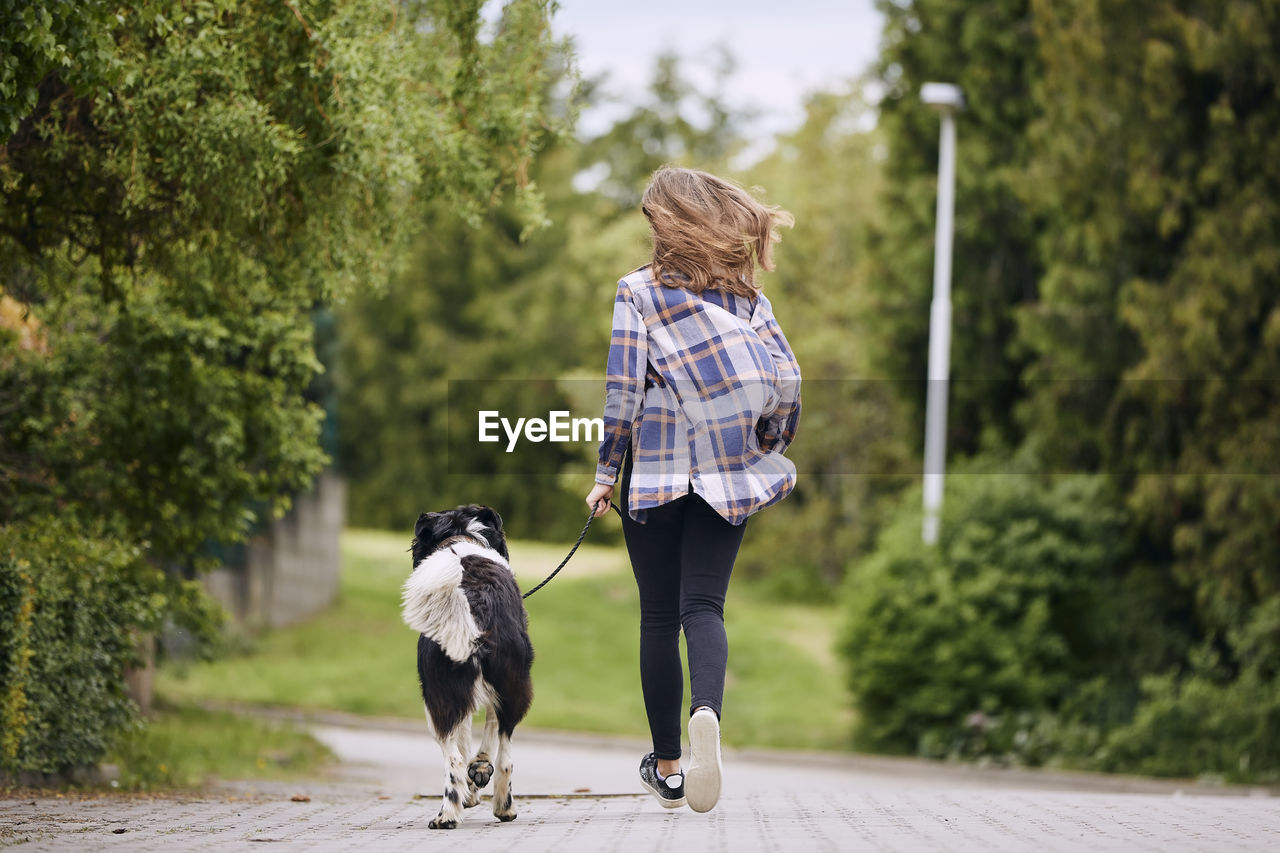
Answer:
(599, 497)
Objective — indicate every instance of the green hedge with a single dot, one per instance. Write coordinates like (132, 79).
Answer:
(1034, 633)
(976, 645)
(1211, 720)
(73, 604)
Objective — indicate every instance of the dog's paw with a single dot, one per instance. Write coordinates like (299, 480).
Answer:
(472, 800)
(480, 772)
(505, 810)
(439, 822)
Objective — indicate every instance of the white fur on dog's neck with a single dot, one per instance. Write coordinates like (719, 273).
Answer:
(479, 548)
(434, 604)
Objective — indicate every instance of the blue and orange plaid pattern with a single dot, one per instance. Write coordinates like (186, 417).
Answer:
(705, 391)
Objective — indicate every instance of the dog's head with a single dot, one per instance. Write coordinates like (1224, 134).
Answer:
(474, 522)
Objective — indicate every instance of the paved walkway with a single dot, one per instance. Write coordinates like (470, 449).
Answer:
(578, 794)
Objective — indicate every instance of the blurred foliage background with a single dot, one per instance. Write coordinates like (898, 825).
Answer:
(1106, 591)
(1104, 594)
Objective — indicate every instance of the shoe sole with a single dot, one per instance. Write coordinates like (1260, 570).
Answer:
(702, 780)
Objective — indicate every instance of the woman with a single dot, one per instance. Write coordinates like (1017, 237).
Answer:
(702, 399)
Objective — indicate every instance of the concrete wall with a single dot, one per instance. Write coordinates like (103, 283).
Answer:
(290, 571)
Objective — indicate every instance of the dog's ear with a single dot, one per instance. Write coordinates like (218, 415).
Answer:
(489, 518)
(425, 522)
(493, 528)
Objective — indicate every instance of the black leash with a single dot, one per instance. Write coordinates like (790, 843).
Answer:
(573, 550)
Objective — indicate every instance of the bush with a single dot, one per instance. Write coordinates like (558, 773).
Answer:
(74, 603)
(1202, 724)
(977, 645)
(798, 550)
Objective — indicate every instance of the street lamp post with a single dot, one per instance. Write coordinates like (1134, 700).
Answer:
(948, 100)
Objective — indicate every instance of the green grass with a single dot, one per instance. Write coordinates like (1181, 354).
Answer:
(783, 688)
(183, 747)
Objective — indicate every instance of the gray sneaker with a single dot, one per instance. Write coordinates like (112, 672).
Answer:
(703, 778)
(669, 791)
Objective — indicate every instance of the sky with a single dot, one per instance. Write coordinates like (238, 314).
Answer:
(784, 49)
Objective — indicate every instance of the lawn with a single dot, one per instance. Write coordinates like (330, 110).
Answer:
(184, 747)
(784, 687)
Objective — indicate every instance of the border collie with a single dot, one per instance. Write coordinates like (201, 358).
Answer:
(473, 651)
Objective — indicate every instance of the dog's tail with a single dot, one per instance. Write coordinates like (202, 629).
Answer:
(435, 605)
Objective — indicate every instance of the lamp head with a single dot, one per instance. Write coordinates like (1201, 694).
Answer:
(942, 96)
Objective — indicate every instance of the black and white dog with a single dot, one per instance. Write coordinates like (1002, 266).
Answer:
(473, 651)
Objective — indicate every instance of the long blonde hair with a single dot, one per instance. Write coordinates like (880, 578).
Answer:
(709, 232)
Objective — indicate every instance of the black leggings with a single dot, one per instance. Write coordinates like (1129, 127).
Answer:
(682, 557)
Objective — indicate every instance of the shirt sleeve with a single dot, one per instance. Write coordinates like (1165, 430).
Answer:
(776, 430)
(624, 383)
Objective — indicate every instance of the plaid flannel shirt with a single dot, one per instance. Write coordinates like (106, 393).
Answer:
(705, 391)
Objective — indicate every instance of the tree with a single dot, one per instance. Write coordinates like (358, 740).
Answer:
(986, 48)
(1160, 281)
(1139, 188)
(851, 451)
(181, 184)
(185, 198)
(519, 321)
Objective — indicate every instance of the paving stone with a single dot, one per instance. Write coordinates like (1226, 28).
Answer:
(346, 816)
(580, 794)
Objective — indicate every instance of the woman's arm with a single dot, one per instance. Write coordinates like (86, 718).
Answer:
(777, 430)
(624, 383)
